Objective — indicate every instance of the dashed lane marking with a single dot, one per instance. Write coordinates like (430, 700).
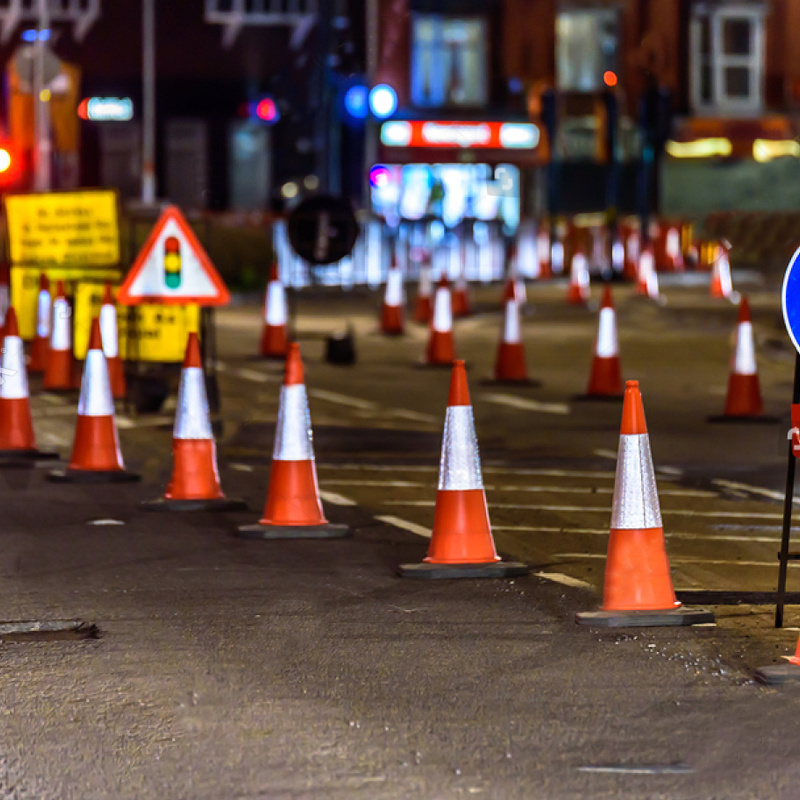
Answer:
(566, 580)
(677, 560)
(746, 487)
(256, 376)
(405, 525)
(524, 404)
(386, 484)
(343, 399)
(602, 453)
(337, 499)
(667, 534)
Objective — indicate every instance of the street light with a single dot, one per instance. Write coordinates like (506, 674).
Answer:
(382, 101)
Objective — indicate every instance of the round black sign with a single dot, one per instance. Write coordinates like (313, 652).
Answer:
(323, 229)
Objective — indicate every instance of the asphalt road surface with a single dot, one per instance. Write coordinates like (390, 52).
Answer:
(227, 668)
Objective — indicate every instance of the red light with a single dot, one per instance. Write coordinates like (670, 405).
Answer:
(83, 108)
(266, 109)
(609, 78)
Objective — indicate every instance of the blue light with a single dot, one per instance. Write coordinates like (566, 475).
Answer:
(382, 100)
(29, 35)
(355, 101)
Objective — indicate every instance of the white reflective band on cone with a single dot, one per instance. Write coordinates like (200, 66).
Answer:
(43, 314)
(425, 285)
(4, 303)
(460, 463)
(557, 257)
(293, 440)
(580, 270)
(14, 379)
(511, 333)
(635, 494)
(673, 244)
(633, 246)
(646, 264)
(543, 247)
(61, 336)
(745, 358)
(108, 330)
(652, 283)
(442, 311)
(607, 344)
(192, 420)
(724, 272)
(617, 255)
(394, 288)
(276, 304)
(96, 400)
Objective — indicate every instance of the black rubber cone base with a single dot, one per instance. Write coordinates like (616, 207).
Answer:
(777, 674)
(92, 476)
(527, 382)
(213, 504)
(43, 630)
(28, 455)
(324, 531)
(752, 420)
(495, 569)
(597, 398)
(645, 619)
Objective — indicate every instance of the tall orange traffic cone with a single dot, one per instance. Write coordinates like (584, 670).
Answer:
(110, 335)
(41, 342)
(59, 370)
(631, 269)
(423, 307)
(578, 291)
(440, 350)
(605, 379)
(293, 509)
(393, 302)
(462, 305)
(637, 590)
(673, 254)
(16, 429)
(510, 363)
(96, 456)
(743, 402)
(461, 542)
(274, 340)
(194, 485)
(647, 279)
(543, 252)
(721, 284)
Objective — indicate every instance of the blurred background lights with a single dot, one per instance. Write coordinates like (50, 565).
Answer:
(290, 190)
(379, 176)
(610, 78)
(383, 100)
(355, 101)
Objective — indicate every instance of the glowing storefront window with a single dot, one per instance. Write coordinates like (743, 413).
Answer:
(586, 48)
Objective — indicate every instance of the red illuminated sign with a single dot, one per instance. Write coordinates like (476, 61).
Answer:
(446, 133)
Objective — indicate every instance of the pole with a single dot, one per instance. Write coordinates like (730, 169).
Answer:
(149, 102)
(787, 511)
(42, 151)
(370, 125)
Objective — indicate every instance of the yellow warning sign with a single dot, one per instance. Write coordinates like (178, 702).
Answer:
(64, 228)
(146, 333)
(25, 289)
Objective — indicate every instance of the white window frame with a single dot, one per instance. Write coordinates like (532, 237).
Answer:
(722, 103)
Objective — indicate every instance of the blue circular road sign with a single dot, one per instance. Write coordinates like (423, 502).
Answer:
(790, 299)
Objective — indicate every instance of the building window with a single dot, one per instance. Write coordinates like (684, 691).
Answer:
(448, 61)
(727, 58)
(586, 48)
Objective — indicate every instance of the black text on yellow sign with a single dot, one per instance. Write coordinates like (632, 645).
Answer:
(151, 332)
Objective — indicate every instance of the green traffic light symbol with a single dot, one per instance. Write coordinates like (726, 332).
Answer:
(172, 262)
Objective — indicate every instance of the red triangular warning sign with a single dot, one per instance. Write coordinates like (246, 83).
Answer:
(173, 268)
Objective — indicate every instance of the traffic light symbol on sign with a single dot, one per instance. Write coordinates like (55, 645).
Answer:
(172, 262)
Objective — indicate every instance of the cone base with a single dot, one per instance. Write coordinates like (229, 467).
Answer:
(29, 454)
(213, 504)
(38, 630)
(497, 569)
(759, 419)
(92, 476)
(645, 619)
(324, 531)
(777, 674)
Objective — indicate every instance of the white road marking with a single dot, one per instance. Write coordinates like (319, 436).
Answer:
(148, 422)
(414, 416)
(605, 510)
(343, 399)
(678, 560)
(405, 525)
(670, 471)
(612, 454)
(745, 487)
(105, 522)
(387, 484)
(668, 534)
(242, 467)
(487, 469)
(337, 499)
(566, 580)
(256, 376)
(596, 490)
(524, 404)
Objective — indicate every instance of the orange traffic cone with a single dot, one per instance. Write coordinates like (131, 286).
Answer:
(510, 363)
(743, 402)
(721, 284)
(461, 542)
(41, 342)
(96, 457)
(274, 340)
(631, 269)
(59, 369)
(441, 349)
(16, 429)
(673, 254)
(462, 305)
(637, 590)
(605, 379)
(647, 279)
(393, 302)
(293, 509)
(194, 485)
(110, 335)
(578, 291)
(423, 308)
(543, 252)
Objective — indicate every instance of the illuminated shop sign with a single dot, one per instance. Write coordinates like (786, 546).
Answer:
(106, 109)
(496, 135)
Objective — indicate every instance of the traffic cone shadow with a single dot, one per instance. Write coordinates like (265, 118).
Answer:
(461, 542)
(637, 589)
(195, 484)
(779, 674)
(743, 401)
(293, 509)
(17, 439)
(96, 457)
